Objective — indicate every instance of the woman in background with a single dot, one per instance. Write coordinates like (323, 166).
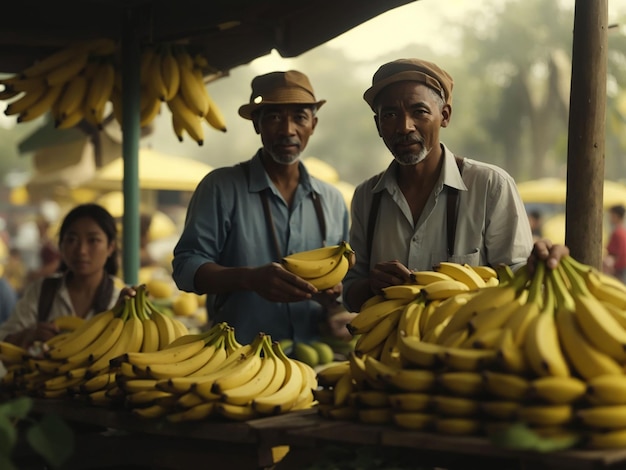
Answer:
(85, 284)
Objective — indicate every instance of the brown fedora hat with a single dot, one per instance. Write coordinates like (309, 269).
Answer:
(417, 70)
(291, 87)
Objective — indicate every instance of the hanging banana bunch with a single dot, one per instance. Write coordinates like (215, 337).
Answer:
(77, 82)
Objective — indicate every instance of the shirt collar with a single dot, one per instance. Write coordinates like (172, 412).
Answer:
(259, 180)
(450, 175)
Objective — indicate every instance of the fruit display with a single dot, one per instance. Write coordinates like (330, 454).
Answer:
(134, 357)
(83, 81)
(546, 351)
(211, 374)
(74, 362)
(323, 267)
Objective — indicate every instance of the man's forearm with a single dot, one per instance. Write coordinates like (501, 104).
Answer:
(212, 278)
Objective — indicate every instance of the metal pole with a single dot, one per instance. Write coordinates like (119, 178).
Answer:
(130, 145)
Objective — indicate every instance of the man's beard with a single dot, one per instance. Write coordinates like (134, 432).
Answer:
(285, 159)
(412, 158)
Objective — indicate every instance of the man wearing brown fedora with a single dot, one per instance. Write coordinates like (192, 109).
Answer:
(243, 219)
(429, 205)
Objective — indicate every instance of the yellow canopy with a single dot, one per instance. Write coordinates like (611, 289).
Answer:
(156, 171)
(552, 191)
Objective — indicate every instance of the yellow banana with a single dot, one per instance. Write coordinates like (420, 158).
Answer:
(70, 120)
(82, 336)
(461, 272)
(410, 319)
(169, 355)
(170, 74)
(25, 101)
(179, 128)
(52, 61)
(505, 410)
(375, 415)
(167, 330)
(236, 412)
(342, 390)
(419, 353)
(506, 386)
(608, 389)
(427, 277)
(545, 415)
(459, 359)
(149, 112)
(410, 401)
(198, 412)
(244, 393)
(150, 336)
(190, 121)
(183, 367)
(542, 345)
(67, 70)
(307, 268)
(455, 406)
(603, 417)
(334, 277)
(495, 317)
(285, 397)
(407, 292)
(369, 317)
(446, 309)
(464, 384)
(486, 272)
(557, 390)
(329, 375)
(607, 440)
(586, 359)
(150, 412)
(192, 88)
(372, 399)
(11, 353)
(128, 341)
(100, 87)
(457, 426)
(135, 385)
(380, 332)
(155, 84)
(98, 382)
(72, 96)
(214, 116)
(145, 398)
(440, 290)
(414, 420)
(100, 345)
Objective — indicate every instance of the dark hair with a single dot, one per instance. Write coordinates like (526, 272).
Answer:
(104, 220)
(618, 210)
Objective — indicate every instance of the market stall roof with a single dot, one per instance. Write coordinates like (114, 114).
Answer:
(228, 32)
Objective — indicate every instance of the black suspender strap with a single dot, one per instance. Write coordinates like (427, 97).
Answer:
(451, 214)
(453, 196)
(49, 288)
(317, 204)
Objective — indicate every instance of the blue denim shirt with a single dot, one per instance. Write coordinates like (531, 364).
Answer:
(225, 224)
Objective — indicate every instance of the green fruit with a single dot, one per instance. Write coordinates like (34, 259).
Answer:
(307, 354)
(324, 351)
(286, 345)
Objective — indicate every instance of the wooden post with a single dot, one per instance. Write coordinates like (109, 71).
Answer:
(585, 151)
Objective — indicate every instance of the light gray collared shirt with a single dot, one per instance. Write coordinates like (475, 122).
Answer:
(492, 224)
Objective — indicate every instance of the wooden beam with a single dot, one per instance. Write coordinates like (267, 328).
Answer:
(585, 152)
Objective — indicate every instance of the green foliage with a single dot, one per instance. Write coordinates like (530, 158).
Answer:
(50, 437)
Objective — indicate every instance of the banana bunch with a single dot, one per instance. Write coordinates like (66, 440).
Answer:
(73, 84)
(323, 267)
(211, 375)
(176, 77)
(77, 362)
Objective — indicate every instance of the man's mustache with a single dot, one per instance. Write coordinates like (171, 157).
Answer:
(408, 139)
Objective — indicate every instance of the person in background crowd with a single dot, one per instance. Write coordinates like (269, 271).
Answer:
(243, 219)
(8, 299)
(85, 284)
(615, 259)
(535, 221)
(430, 205)
(15, 271)
(49, 255)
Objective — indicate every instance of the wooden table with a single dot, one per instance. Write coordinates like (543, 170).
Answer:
(121, 438)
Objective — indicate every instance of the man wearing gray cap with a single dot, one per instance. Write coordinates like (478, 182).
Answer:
(243, 219)
(429, 205)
